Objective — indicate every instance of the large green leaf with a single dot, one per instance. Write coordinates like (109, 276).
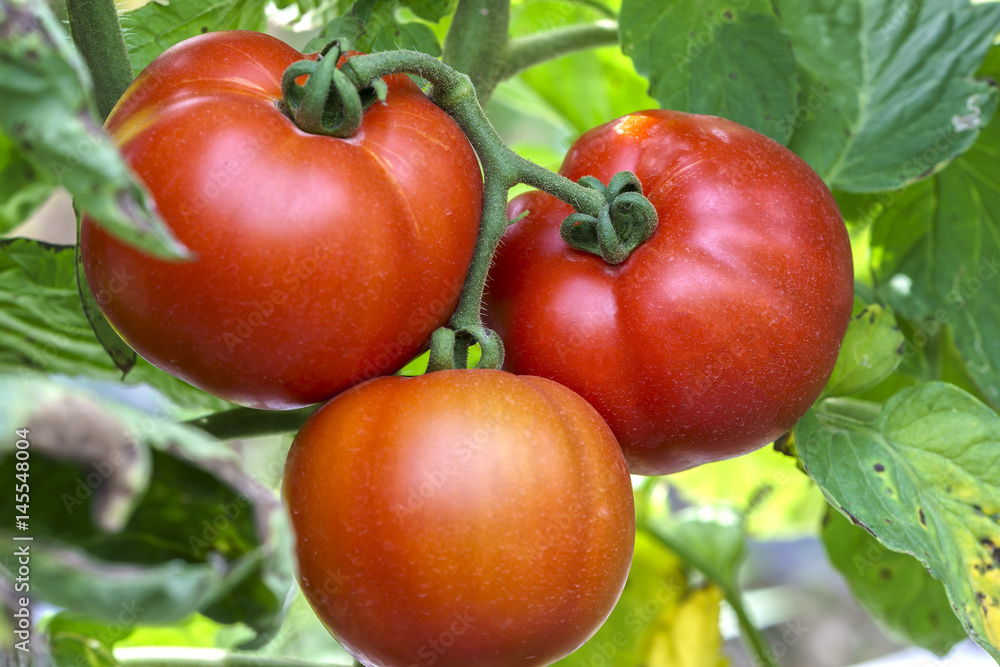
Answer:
(922, 477)
(936, 257)
(47, 113)
(22, 188)
(137, 519)
(43, 327)
(895, 588)
(889, 92)
(373, 25)
(155, 27)
(715, 57)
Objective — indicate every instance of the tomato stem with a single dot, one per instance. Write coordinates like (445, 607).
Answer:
(525, 52)
(328, 104)
(502, 169)
(97, 34)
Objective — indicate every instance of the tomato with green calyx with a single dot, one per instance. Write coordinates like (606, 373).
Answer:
(318, 261)
(716, 335)
(460, 518)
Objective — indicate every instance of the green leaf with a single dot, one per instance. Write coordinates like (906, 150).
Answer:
(889, 87)
(139, 520)
(779, 501)
(22, 188)
(372, 25)
(936, 257)
(47, 114)
(155, 27)
(895, 588)
(715, 57)
(871, 351)
(922, 478)
(430, 10)
(43, 327)
(713, 541)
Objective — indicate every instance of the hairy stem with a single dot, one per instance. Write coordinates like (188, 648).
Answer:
(98, 36)
(526, 52)
(502, 168)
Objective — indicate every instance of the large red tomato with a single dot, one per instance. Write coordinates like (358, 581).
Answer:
(460, 519)
(319, 261)
(718, 333)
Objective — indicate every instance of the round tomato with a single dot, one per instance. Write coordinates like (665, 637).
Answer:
(716, 335)
(460, 518)
(318, 261)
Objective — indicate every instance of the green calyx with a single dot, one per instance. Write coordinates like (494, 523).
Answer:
(329, 103)
(625, 221)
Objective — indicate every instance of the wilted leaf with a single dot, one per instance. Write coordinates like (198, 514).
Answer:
(47, 113)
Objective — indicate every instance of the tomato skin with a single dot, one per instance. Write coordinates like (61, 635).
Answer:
(469, 518)
(319, 261)
(715, 336)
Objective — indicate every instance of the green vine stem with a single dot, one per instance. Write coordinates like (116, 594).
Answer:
(526, 52)
(755, 642)
(98, 36)
(502, 169)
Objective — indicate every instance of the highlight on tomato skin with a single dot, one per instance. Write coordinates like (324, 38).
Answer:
(465, 517)
(319, 262)
(715, 336)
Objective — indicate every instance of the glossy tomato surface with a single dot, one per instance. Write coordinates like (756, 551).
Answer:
(461, 519)
(319, 261)
(715, 336)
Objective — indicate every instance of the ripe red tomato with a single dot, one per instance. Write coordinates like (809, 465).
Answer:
(460, 518)
(715, 336)
(319, 261)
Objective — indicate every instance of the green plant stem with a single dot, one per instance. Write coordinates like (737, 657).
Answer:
(525, 52)
(476, 42)
(98, 36)
(502, 168)
(250, 423)
(760, 652)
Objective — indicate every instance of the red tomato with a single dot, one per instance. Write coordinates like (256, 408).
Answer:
(319, 261)
(715, 336)
(460, 518)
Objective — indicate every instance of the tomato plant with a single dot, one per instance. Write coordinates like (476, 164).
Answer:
(719, 332)
(275, 228)
(460, 518)
(318, 261)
